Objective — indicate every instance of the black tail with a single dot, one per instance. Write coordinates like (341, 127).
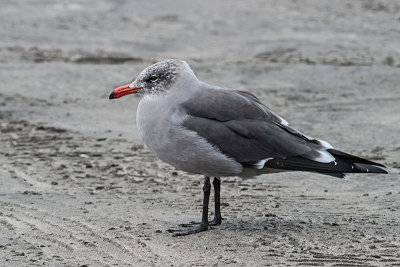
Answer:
(344, 163)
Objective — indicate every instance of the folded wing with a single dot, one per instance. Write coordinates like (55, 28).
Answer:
(243, 128)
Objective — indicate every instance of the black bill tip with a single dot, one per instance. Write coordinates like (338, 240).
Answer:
(112, 96)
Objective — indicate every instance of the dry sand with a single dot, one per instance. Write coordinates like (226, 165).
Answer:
(77, 187)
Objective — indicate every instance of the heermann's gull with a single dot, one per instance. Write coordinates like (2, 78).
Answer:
(205, 129)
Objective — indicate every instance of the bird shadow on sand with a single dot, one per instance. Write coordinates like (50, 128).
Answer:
(270, 225)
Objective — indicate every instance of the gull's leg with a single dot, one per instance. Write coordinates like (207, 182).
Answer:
(217, 216)
(204, 220)
(217, 197)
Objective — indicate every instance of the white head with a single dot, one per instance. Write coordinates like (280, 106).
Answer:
(156, 79)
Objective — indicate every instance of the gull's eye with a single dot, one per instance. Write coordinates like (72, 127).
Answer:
(153, 78)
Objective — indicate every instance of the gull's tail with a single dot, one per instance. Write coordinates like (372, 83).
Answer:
(343, 163)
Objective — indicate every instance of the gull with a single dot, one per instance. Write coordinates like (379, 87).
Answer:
(215, 131)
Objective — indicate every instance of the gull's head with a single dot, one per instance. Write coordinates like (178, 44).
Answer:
(156, 79)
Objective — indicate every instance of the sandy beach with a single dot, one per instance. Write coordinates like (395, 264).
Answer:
(78, 188)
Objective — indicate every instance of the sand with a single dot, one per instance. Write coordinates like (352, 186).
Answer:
(78, 188)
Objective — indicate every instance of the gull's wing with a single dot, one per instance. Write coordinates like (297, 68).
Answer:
(243, 128)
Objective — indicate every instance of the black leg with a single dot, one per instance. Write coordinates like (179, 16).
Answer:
(217, 215)
(204, 220)
(217, 197)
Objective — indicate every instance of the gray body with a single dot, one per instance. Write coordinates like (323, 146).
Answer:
(160, 122)
(205, 129)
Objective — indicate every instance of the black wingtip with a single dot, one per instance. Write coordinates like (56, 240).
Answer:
(368, 168)
(353, 159)
(344, 164)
